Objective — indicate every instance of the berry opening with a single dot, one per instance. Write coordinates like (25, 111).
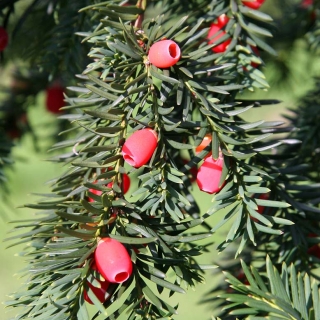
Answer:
(121, 277)
(129, 159)
(174, 53)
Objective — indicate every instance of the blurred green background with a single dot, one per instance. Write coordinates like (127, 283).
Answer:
(31, 172)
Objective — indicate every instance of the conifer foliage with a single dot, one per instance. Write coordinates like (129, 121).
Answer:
(155, 104)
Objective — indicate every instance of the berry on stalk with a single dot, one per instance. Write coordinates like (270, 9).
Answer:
(113, 260)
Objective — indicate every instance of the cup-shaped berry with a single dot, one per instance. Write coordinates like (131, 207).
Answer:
(209, 175)
(214, 34)
(4, 38)
(139, 147)
(113, 260)
(254, 4)
(55, 98)
(164, 54)
(99, 292)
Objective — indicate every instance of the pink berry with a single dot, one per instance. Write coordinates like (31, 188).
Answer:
(209, 175)
(253, 4)
(4, 38)
(113, 260)
(164, 54)
(139, 147)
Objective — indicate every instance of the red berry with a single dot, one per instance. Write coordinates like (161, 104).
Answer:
(264, 196)
(315, 249)
(55, 98)
(256, 51)
(125, 183)
(113, 261)
(253, 4)
(260, 209)
(216, 29)
(96, 192)
(139, 147)
(164, 54)
(222, 20)
(4, 38)
(242, 277)
(125, 186)
(306, 3)
(209, 175)
(100, 292)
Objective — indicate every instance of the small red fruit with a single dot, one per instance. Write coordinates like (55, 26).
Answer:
(315, 249)
(100, 292)
(222, 20)
(164, 54)
(306, 3)
(209, 175)
(216, 29)
(253, 4)
(256, 51)
(113, 261)
(264, 196)
(125, 186)
(139, 147)
(125, 183)
(4, 38)
(55, 98)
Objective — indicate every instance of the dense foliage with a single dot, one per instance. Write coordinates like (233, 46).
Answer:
(132, 120)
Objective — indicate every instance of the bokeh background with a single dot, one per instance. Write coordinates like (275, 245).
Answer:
(31, 173)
